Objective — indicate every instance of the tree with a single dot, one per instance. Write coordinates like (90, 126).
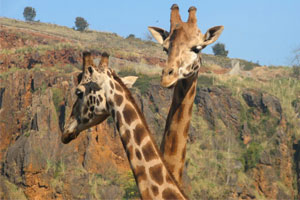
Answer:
(130, 36)
(81, 24)
(219, 49)
(29, 14)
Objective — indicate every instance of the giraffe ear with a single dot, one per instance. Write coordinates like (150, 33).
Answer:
(129, 80)
(104, 60)
(212, 35)
(158, 33)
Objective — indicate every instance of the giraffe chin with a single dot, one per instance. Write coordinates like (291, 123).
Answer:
(69, 136)
(168, 84)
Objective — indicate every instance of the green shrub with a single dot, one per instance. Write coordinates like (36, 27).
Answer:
(248, 66)
(296, 71)
(205, 81)
(130, 187)
(251, 155)
(143, 81)
(57, 98)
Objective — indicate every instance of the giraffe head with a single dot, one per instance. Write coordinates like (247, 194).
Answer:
(91, 106)
(183, 45)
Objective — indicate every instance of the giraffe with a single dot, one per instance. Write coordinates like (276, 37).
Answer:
(101, 93)
(183, 45)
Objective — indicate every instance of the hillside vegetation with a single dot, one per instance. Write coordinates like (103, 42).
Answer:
(243, 140)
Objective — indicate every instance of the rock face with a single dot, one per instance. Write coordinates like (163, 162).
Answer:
(217, 102)
(241, 144)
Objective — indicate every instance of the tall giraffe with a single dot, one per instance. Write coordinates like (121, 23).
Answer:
(183, 45)
(101, 93)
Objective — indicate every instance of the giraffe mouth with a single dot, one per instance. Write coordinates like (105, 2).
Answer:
(171, 86)
(188, 74)
(69, 136)
(168, 84)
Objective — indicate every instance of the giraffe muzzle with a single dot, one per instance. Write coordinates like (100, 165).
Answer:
(70, 132)
(69, 136)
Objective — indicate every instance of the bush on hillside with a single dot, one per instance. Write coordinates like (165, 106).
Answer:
(296, 71)
(251, 155)
(130, 36)
(219, 50)
(29, 14)
(81, 24)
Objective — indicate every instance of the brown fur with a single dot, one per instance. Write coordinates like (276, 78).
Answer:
(156, 174)
(111, 85)
(154, 190)
(148, 152)
(146, 194)
(169, 194)
(118, 99)
(138, 154)
(126, 138)
(139, 133)
(129, 114)
(119, 88)
(174, 143)
(140, 173)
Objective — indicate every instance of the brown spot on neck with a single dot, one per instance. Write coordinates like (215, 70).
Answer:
(146, 194)
(156, 174)
(118, 87)
(139, 133)
(138, 154)
(111, 85)
(149, 152)
(126, 138)
(129, 114)
(170, 194)
(118, 99)
(140, 173)
(154, 190)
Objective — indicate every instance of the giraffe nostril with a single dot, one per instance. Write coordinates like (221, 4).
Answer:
(90, 70)
(171, 71)
(195, 67)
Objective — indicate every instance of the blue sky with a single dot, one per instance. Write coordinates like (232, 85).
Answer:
(267, 31)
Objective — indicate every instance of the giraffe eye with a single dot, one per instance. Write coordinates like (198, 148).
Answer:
(79, 93)
(196, 49)
(165, 50)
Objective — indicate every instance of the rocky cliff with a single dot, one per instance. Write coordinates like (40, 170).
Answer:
(243, 140)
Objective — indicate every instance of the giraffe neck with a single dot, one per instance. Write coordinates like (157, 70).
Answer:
(152, 177)
(173, 146)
